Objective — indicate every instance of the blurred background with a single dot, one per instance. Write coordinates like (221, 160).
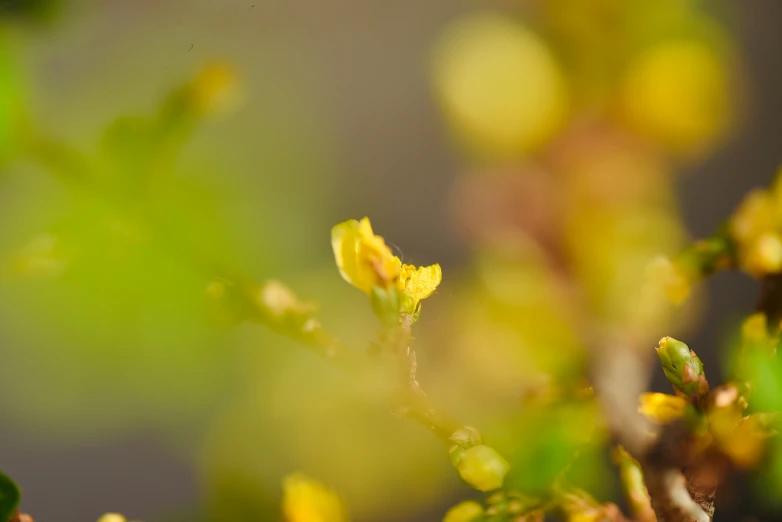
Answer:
(544, 149)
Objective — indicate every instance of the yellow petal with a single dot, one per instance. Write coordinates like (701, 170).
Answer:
(363, 258)
(420, 282)
(344, 243)
(661, 408)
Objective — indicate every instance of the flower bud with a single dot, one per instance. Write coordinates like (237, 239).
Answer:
(763, 255)
(466, 511)
(683, 369)
(482, 467)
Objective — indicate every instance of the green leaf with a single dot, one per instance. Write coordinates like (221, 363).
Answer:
(9, 498)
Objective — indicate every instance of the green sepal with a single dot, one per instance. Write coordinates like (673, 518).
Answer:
(386, 303)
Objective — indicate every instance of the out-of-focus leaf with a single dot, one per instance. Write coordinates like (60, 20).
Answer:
(547, 442)
(9, 497)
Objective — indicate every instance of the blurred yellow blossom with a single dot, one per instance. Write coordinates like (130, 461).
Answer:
(678, 94)
(363, 258)
(498, 84)
(464, 512)
(215, 88)
(742, 440)
(763, 255)
(662, 272)
(661, 408)
(754, 216)
(307, 500)
(112, 517)
(756, 229)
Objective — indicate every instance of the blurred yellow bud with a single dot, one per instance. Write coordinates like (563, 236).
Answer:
(755, 328)
(279, 300)
(363, 258)
(678, 94)
(755, 216)
(483, 468)
(466, 511)
(498, 85)
(419, 283)
(664, 274)
(307, 500)
(112, 517)
(661, 408)
(215, 88)
(763, 255)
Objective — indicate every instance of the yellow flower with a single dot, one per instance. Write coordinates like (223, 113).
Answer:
(464, 512)
(307, 500)
(419, 283)
(363, 258)
(661, 408)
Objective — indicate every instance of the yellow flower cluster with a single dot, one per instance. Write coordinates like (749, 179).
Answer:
(307, 500)
(365, 261)
(757, 228)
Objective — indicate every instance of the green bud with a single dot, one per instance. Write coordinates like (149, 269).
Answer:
(482, 467)
(386, 303)
(682, 367)
(466, 511)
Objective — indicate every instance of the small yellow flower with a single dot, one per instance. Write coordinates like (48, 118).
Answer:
(419, 283)
(661, 408)
(307, 500)
(464, 512)
(363, 258)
